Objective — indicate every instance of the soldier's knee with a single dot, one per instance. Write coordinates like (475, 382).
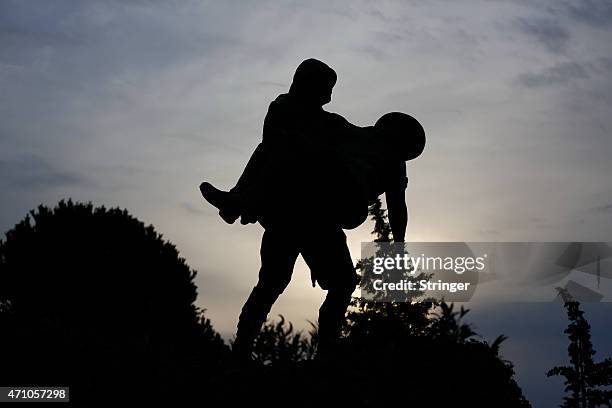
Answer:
(345, 285)
(271, 287)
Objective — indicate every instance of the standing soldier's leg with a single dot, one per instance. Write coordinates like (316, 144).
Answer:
(330, 261)
(332, 314)
(278, 256)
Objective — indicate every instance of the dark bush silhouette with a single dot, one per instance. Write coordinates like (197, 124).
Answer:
(586, 382)
(94, 299)
(426, 347)
(385, 361)
(279, 343)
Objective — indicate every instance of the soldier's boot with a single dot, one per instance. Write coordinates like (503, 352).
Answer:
(225, 201)
(331, 320)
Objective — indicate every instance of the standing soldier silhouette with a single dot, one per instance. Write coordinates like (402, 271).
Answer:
(313, 174)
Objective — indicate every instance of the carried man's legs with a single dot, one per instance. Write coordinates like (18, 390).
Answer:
(246, 196)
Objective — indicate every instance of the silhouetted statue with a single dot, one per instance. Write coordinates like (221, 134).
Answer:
(313, 174)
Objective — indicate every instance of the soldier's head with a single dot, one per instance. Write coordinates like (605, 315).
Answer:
(313, 82)
(403, 133)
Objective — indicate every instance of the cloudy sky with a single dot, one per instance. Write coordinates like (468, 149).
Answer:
(132, 104)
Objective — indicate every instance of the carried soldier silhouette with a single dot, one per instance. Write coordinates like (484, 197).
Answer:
(313, 174)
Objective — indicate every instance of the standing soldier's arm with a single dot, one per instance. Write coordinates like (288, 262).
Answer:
(398, 214)
(396, 204)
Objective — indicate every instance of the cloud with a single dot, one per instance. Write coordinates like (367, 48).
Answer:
(34, 172)
(547, 31)
(606, 64)
(592, 12)
(194, 210)
(560, 74)
(604, 208)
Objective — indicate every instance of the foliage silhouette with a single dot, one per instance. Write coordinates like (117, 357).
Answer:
(382, 229)
(586, 382)
(93, 298)
(279, 343)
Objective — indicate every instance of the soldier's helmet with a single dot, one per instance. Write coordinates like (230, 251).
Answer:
(404, 134)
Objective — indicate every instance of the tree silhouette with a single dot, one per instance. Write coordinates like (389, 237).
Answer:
(92, 298)
(383, 319)
(382, 229)
(416, 342)
(384, 249)
(585, 380)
